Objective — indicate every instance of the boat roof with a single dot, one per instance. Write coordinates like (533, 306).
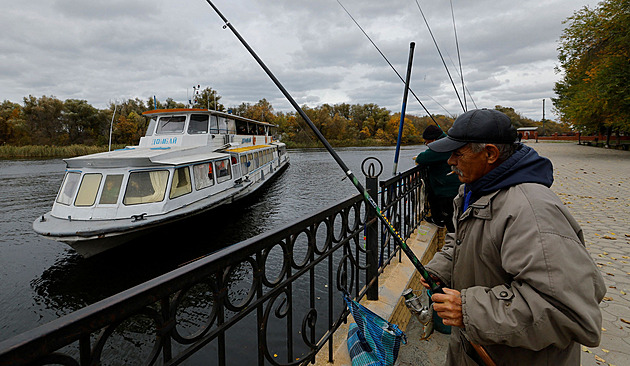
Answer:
(247, 148)
(135, 157)
(159, 112)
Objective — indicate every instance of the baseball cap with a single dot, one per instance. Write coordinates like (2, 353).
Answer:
(478, 125)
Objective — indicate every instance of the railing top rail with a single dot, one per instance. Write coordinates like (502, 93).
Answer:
(402, 175)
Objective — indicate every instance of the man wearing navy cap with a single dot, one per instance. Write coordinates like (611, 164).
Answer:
(517, 278)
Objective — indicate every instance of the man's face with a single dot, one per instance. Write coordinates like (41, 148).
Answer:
(469, 166)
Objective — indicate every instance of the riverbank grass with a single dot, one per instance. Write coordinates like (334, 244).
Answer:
(45, 151)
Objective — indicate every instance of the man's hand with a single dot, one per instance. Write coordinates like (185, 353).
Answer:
(449, 307)
(426, 284)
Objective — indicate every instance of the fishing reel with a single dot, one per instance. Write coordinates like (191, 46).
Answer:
(422, 309)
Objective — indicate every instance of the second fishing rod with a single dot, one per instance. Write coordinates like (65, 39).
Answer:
(435, 287)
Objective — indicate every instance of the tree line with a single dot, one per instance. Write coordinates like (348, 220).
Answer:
(49, 121)
(594, 54)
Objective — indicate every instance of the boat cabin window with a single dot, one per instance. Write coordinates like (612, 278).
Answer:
(146, 187)
(203, 175)
(214, 124)
(68, 188)
(244, 164)
(250, 162)
(88, 190)
(223, 128)
(223, 170)
(198, 124)
(256, 159)
(230, 126)
(111, 189)
(170, 124)
(241, 127)
(181, 183)
(151, 127)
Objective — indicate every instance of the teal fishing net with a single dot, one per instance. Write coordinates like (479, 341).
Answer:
(371, 340)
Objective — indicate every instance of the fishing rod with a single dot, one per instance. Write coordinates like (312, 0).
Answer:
(392, 66)
(435, 287)
(440, 53)
(461, 72)
(404, 106)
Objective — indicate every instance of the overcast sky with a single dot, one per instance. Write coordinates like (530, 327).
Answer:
(103, 51)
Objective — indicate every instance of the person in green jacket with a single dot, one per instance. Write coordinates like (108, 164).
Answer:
(441, 187)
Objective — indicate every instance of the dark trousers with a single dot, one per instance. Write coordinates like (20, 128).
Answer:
(442, 211)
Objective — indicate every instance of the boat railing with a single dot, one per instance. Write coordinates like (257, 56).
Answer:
(273, 299)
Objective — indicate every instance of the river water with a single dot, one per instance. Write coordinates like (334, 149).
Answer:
(41, 279)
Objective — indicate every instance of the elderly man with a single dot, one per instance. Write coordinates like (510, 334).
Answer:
(517, 278)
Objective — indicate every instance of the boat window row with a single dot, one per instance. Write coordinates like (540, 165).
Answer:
(251, 128)
(198, 124)
(142, 186)
(253, 160)
(204, 124)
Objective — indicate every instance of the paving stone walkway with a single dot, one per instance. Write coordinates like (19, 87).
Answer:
(595, 184)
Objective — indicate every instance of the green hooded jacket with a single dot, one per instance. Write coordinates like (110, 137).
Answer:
(441, 184)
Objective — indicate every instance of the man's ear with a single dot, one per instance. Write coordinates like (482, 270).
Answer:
(492, 153)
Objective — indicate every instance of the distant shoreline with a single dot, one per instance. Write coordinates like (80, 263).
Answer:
(50, 152)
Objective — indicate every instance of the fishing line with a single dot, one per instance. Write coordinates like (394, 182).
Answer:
(465, 86)
(435, 287)
(390, 64)
(441, 106)
(440, 53)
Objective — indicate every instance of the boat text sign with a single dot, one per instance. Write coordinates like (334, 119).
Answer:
(165, 141)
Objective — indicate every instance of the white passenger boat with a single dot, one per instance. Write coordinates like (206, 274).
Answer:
(189, 161)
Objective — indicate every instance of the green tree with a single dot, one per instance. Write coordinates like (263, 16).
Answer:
(594, 54)
(11, 123)
(128, 129)
(261, 111)
(42, 118)
(82, 122)
(207, 98)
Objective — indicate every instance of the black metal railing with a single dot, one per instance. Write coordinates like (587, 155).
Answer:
(274, 299)
(402, 201)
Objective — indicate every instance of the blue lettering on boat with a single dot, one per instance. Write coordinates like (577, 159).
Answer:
(248, 139)
(164, 141)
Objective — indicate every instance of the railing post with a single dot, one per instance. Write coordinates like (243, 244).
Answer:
(371, 241)
(372, 225)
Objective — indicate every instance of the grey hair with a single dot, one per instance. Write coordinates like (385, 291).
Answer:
(505, 150)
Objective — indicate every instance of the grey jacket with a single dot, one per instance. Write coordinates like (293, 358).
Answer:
(530, 290)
